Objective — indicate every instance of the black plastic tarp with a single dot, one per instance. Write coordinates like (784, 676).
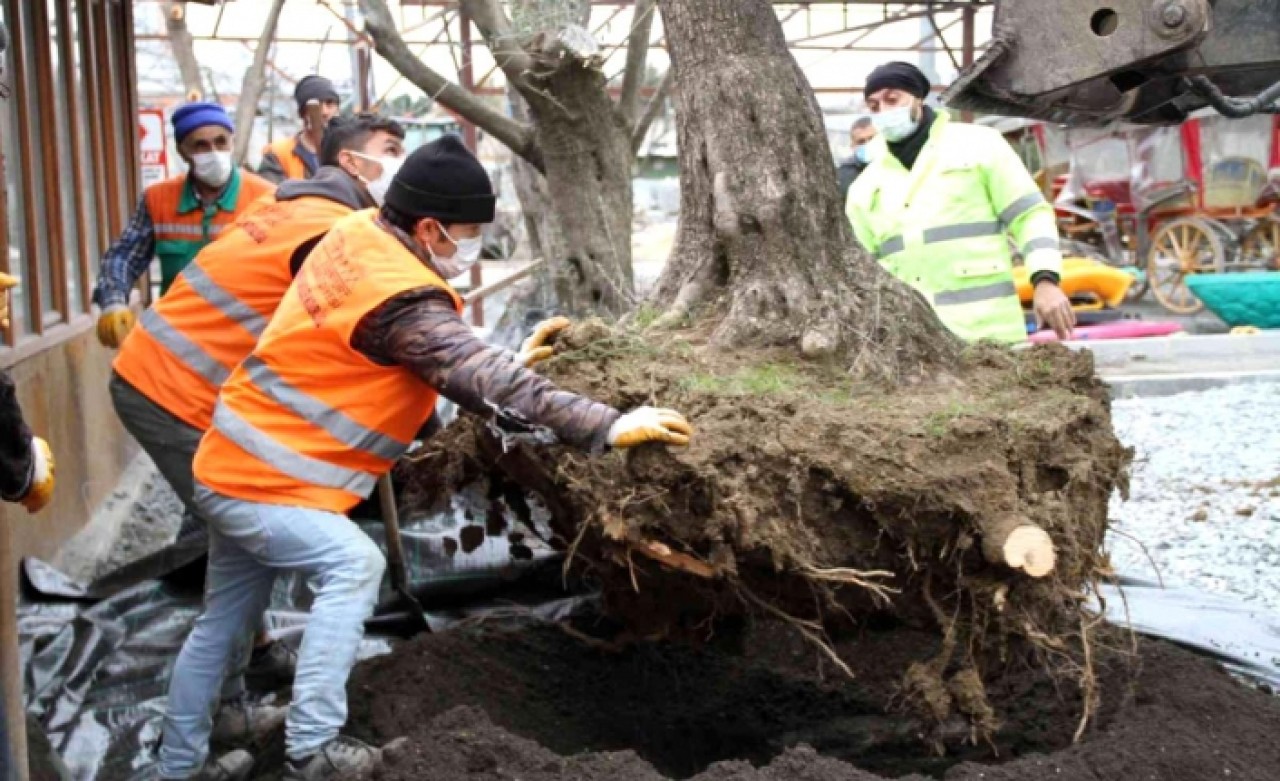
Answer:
(97, 657)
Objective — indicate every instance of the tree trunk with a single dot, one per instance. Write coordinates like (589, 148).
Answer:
(255, 81)
(544, 234)
(586, 148)
(579, 140)
(762, 233)
(184, 50)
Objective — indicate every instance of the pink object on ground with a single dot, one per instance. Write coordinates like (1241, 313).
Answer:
(1124, 329)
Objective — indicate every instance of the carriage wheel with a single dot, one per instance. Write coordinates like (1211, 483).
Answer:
(1187, 245)
(1260, 247)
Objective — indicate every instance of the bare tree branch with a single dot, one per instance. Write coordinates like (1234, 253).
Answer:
(184, 50)
(255, 81)
(637, 58)
(500, 36)
(651, 113)
(388, 42)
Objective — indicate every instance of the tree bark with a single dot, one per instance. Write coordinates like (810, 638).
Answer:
(585, 144)
(255, 81)
(184, 51)
(577, 137)
(762, 233)
(546, 240)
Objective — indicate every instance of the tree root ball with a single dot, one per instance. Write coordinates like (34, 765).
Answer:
(973, 505)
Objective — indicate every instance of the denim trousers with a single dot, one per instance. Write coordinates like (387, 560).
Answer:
(249, 544)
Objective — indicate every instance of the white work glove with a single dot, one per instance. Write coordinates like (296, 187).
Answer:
(114, 324)
(650, 424)
(41, 490)
(535, 349)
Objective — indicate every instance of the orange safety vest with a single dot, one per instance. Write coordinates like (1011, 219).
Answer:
(190, 340)
(283, 149)
(307, 420)
(182, 225)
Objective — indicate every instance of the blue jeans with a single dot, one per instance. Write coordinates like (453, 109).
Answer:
(249, 543)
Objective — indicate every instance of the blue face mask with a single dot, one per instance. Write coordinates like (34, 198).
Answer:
(862, 154)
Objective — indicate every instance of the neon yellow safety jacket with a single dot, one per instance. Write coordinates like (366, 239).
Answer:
(941, 227)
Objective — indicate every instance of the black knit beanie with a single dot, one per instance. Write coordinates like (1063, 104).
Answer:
(444, 181)
(898, 75)
(313, 87)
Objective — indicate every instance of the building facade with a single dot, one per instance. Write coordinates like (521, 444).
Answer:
(69, 158)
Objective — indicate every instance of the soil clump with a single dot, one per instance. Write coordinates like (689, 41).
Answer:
(971, 505)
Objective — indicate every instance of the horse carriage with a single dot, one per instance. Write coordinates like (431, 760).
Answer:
(1168, 202)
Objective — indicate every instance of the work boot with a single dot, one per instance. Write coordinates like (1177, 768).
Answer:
(232, 766)
(342, 757)
(239, 723)
(271, 667)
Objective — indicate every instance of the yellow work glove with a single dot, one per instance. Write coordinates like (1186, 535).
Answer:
(114, 324)
(535, 349)
(7, 283)
(41, 490)
(650, 424)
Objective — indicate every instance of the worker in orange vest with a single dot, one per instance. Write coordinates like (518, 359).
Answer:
(339, 384)
(295, 157)
(177, 217)
(166, 377)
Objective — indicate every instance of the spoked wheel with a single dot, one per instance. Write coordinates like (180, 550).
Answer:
(1187, 245)
(1260, 246)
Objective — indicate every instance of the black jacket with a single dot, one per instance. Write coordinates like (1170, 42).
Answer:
(848, 171)
(16, 463)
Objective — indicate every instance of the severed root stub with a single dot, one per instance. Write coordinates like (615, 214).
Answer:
(1019, 544)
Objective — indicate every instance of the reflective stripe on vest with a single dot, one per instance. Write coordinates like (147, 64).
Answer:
(224, 302)
(309, 420)
(290, 462)
(1044, 242)
(347, 431)
(180, 229)
(1020, 207)
(973, 295)
(964, 230)
(183, 348)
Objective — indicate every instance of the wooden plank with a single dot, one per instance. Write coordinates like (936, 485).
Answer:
(97, 144)
(109, 96)
(50, 164)
(32, 224)
(75, 115)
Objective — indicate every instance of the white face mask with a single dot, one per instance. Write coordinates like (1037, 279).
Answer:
(895, 124)
(212, 168)
(378, 187)
(464, 257)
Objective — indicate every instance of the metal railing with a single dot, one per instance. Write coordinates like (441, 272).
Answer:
(476, 296)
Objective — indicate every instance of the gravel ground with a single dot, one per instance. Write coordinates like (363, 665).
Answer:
(1205, 499)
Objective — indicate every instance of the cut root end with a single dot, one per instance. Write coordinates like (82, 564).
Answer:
(1020, 545)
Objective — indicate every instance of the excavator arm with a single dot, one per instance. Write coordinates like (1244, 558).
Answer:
(1083, 62)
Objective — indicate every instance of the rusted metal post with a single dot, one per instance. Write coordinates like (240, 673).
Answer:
(363, 58)
(967, 48)
(467, 80)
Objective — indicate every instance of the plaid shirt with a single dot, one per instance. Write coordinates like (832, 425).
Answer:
(126, 260)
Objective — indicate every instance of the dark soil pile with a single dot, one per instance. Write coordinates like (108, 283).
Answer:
(828, 504)
(538, 705)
